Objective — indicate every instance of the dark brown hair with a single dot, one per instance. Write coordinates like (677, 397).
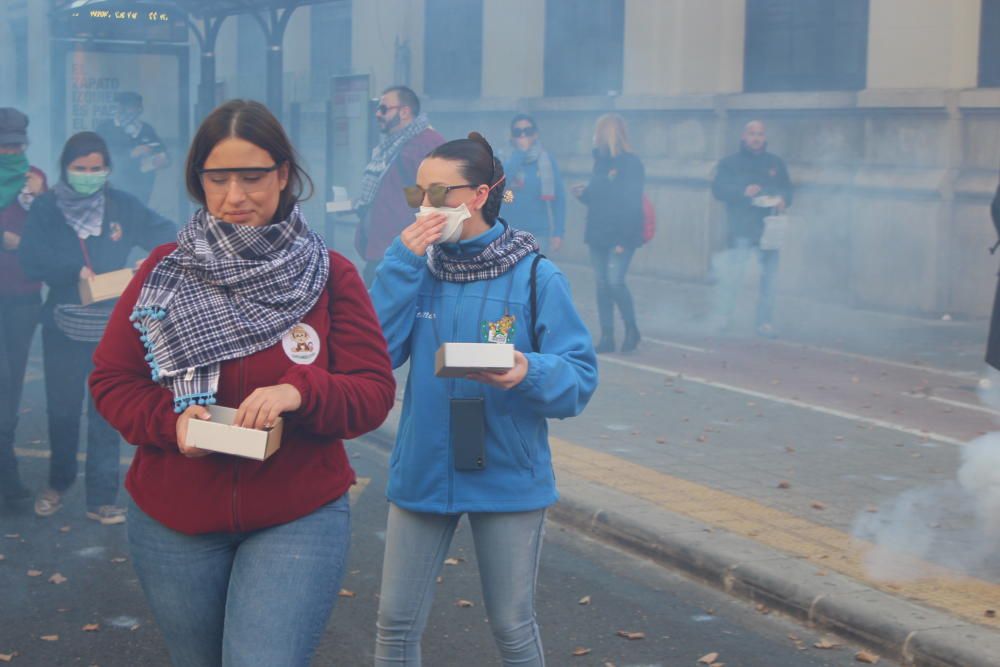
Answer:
(253, 122)
(479, 166)
(80, 145)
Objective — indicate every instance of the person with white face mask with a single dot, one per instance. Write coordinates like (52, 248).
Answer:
(475, 445)
(80, 228)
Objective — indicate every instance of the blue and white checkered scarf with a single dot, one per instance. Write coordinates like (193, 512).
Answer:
(226, 292)
(500, 256)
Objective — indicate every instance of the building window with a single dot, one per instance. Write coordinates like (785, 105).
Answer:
(800, 45)
(453, 48)
(989, 46)
(584, 47)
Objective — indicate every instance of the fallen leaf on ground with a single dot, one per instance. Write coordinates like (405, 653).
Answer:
(871, 509)
(866, 657)
(794, 638)
(34, 573)
(762, 608)
(453, 561)
(135, 627)
(826, 644)
(344, 593)
(579, 650)
(49, 638)
(57, 579)
(661, 441)
(119, 560)
(440, 580)
(585, 600)
(2, 557)
(817, 505)
(7, 657)
(702, 438)
(708, 659)
(65, 529)
(789, 449)
(784, 485)
(91, 627)
(464, 604)
(839, 438)
(631, 635)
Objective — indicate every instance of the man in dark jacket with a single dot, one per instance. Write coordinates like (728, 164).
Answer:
(136, 150)
(19, 296)
(753, 184)
(407, 138)
(993, 344)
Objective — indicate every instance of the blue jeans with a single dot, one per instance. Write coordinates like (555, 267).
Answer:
(730, 266)
(508, 548)
(67, 364)
(241, 599)
(610, 269)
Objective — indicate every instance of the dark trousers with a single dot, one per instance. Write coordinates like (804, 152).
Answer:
(18, 318)
(67, 366)
(610, 269)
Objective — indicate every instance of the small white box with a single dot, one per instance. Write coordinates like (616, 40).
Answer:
(455, 360)
(219, 435)
(104, 286)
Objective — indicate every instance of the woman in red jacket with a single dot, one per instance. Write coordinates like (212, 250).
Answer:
(241, 560)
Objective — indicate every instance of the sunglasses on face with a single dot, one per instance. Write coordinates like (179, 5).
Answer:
(383, 109)
(523, 132)
(436, 194)
(250, 179)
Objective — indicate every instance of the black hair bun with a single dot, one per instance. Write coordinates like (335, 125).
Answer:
(480, 139)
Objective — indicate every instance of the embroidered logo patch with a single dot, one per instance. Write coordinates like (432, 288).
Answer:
(301, 344)
(502, 331)
(115, 231)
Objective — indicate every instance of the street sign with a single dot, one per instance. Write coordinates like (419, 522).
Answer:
(120, 21)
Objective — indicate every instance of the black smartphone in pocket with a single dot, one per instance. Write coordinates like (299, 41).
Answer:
(468, 433)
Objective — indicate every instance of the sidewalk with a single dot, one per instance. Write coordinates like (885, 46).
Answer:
(683, 453)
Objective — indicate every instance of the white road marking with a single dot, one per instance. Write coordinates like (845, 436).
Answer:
(958, 404)
(679, 346)
(881, 423)
(963, 375)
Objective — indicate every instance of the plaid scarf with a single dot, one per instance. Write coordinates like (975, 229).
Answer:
(496, 259)
(383, 156)
(226, 292)
(84, 213)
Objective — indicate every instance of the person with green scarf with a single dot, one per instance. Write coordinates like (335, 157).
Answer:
(20, 297)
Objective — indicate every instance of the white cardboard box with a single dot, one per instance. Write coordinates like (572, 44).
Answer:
(459, 359)
(104, 286)
(219, 435)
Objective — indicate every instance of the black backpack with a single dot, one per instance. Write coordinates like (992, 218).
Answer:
(534, 301)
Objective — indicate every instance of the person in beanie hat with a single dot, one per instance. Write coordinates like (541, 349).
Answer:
(19, 296)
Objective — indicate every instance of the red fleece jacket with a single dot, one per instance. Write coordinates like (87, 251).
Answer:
(347, 391)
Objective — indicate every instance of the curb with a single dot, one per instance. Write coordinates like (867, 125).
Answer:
(901, 630)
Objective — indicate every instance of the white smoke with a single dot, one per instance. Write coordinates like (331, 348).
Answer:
(955, 524)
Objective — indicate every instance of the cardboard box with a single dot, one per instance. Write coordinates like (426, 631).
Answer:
(455, 360)
(104, 286)
(219, 435)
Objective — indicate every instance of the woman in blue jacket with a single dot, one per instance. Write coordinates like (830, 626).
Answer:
(461, 274)
(539, 205)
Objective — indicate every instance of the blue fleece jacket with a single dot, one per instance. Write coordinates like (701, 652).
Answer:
(544, 218)
(561, 378)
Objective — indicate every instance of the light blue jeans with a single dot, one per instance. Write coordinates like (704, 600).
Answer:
(241, 599)
(508, 548)
(730, 267)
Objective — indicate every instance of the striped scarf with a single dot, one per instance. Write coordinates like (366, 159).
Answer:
(496, 259)
(226, 292)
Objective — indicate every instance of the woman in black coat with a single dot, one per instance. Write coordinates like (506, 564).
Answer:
(993, 344)
(81, 228)
(614, 226)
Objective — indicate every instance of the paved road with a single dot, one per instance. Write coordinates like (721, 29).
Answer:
(682, 620)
